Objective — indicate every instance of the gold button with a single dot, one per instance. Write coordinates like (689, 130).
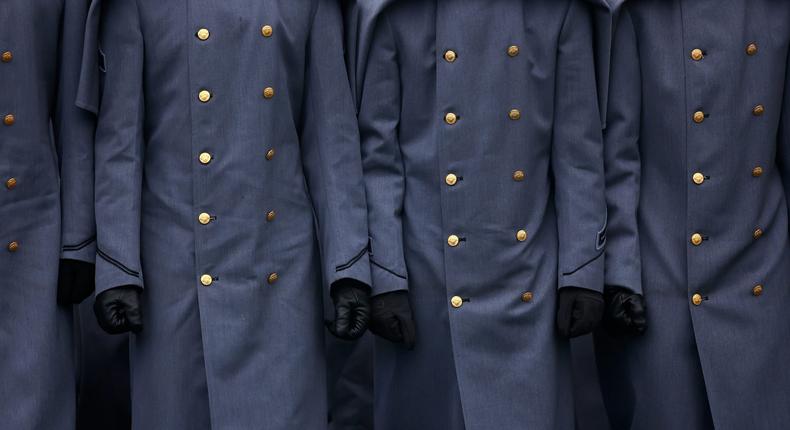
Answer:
(205, 158)
(204, 218)
(206, 280)
(270, 154)
(521, 235)
(758, 110)
(453, 240)
(512, 50)
(751, 49)
(203, 34)
(696, 239)
(9, 120)
(7, 56)
(204, 96)
(758, 233)
(757, 172)
(451, 179)
(267, 31)
(13, 246)
(699, 116)
(450, 118)
(268, 92)
(272, 278)
(450, 56)
(698, 178)
(518, 176)
(270, 216)
(527, 297)
(696, 299)
(10, 183)
(456, 302)
(757, 290)
(515, 114)
(696, 54)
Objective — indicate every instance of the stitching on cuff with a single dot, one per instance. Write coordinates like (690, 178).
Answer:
(583, 265)
(353, 260)
(80, 245)
(386, 270)
(117, 264)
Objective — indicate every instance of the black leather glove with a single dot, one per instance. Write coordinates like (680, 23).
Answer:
(625, 311)
(118, 310)
(392, 319)
(579, 311)
(352, 309)
(75, 281)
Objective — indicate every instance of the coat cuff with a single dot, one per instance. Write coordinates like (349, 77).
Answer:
(358, 269)
(85, 251)
(386, 280)
(589, 275)
(111, 273)
(623, 275)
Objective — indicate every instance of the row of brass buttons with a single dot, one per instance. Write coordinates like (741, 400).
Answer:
(205, 158)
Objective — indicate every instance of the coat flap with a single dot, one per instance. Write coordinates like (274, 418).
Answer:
(88, 90)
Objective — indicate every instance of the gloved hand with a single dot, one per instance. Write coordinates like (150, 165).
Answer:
(392, 319)
(579, 312)
(625, 311)
(75, 281)
(352, 309)
(118, 310)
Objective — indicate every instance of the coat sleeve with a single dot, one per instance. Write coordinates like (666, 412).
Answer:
(622, 161)
(73, 130)
(577, 156)
(119, 147)
(379, 117)
(331, 153)
(783, 143)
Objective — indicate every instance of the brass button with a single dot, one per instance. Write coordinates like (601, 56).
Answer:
(751, 49)
(698, 178)
(514, 114)
(450, 56)
(203, 34)
(518, 176)
(757, 290)
(696, 299)
(521, 235)
(206, 280)
(205, 158)
(204, 96)
(270, 216)
(696, 54)
(7, 56)
(270, 154)
(13, 246)
(450, 118)
(453, 240)
(272, 278)
(10, 183)
(9, 120)
(512, 50)
(527, 297)
(451, 179)
(757, 172)
(204, 218)
(456, 302)
(758, 110)
(699, 116)
(758, 233)
(696, 239)
(268, 92)
(267, 31)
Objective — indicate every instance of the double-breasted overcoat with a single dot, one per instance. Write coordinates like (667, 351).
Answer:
(227, 151)
(483, 163)
(698, 158)
(46, 212)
